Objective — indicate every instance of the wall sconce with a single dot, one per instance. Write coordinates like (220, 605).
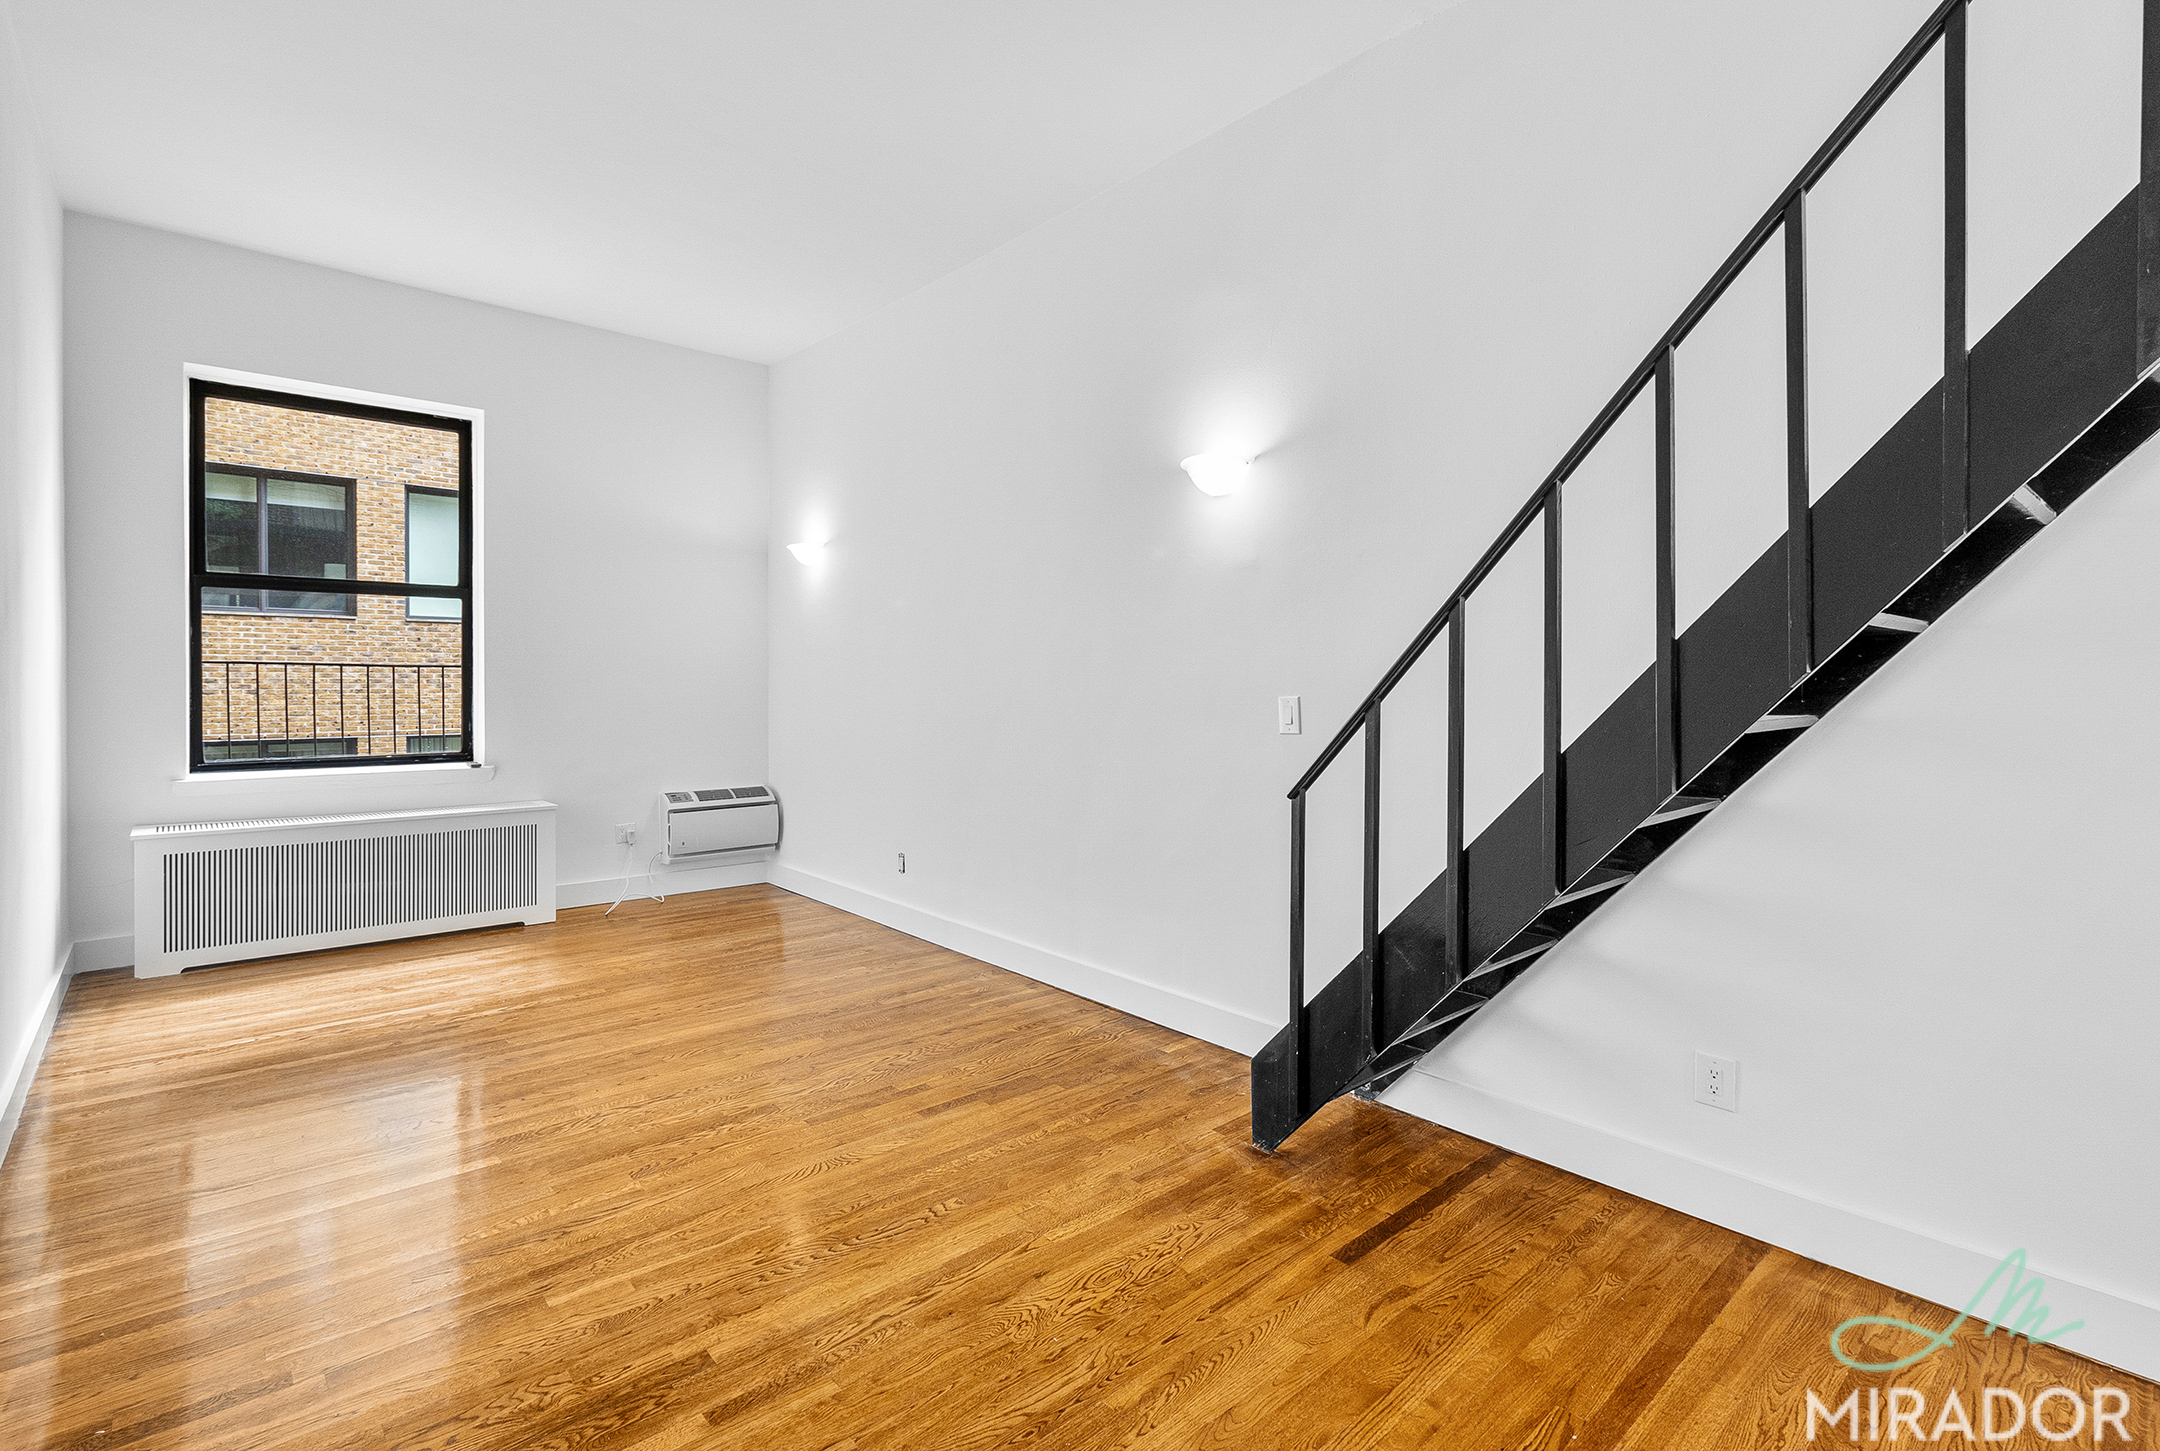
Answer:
(808, 551)
(1217, 473)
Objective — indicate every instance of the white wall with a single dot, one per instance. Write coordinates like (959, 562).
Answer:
(1042, 665)
(625, 502)
(32, 840)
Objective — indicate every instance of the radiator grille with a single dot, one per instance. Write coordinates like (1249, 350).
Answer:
(228, 896)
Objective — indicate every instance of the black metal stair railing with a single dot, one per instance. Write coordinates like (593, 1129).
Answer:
(1396, 1000)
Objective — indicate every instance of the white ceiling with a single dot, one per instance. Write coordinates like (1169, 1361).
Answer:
(743, 176)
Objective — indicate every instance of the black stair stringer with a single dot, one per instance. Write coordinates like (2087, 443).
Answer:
(2056, 402)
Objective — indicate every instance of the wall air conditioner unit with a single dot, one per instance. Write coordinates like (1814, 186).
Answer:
(723, 824)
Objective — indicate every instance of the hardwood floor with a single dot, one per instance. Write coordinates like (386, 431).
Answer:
(741, 1170)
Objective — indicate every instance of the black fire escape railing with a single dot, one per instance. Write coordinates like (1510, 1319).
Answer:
(1787, 215)
(342, 707)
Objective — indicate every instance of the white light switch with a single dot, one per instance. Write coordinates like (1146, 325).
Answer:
(1286, 715)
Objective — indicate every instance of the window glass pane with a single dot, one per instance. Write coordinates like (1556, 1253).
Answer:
(431, 538)
(292, 684)
(260, 750)
(307, 494)
(308, 534)
(313, 604)
(367, 465)
(231, 542)
(431, 550)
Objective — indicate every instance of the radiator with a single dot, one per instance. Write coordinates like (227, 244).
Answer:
(225, 891)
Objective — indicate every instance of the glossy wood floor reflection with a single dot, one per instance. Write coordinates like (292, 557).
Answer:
(744, 1171)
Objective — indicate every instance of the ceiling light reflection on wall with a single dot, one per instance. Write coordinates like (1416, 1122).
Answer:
(808, 551)
(1217, 473)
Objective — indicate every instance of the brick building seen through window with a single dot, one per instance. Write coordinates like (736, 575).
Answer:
(301, 674)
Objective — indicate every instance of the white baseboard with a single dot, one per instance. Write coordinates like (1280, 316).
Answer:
(100, 954)
(665, 880)
(1196, 1017)
(25, 1071)
(2118, 1330)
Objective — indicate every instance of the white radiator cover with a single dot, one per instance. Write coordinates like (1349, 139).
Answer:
(225, 891)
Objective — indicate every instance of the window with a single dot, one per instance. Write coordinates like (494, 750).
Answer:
(289, 492)
(260, 750)
(431, 556)
(256, 521)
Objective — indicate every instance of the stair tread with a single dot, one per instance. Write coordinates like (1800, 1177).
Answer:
(1543, 943)
(2032, 505)
(1446, 1011)
(1782, 723)
(1681, 806)
(1602, 879)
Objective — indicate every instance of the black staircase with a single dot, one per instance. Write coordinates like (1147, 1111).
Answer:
(2021, 424)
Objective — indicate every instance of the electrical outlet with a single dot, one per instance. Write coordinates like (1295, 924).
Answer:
(903, 862)
(1717, 1081)
(625, 833)
(1287, 714)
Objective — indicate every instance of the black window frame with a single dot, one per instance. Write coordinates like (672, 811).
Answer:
(200, 578)
(262, 478)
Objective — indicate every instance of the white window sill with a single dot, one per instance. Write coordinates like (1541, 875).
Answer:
(248, 783)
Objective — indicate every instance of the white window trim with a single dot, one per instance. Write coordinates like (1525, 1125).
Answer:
(218, 783)
(250, 783)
